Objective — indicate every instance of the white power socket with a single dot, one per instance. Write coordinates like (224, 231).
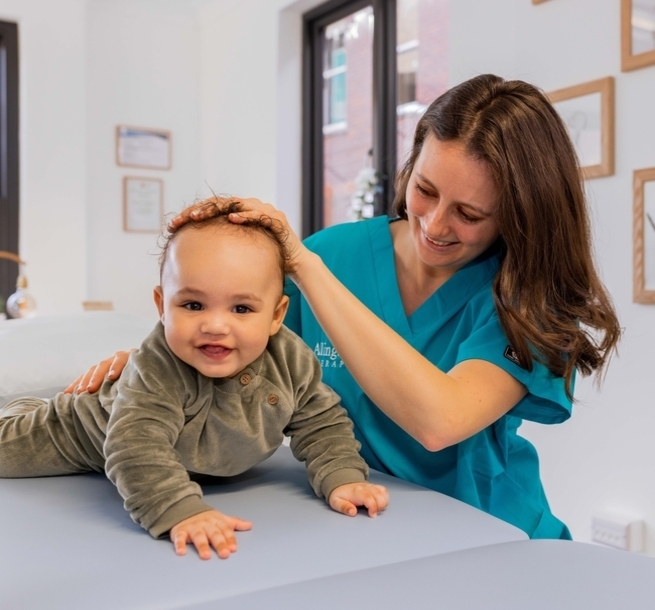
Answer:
(619, 531)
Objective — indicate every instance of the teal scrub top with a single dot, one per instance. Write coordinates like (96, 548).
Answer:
(495, 470)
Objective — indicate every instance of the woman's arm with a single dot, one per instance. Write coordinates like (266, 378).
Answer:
(437, 408)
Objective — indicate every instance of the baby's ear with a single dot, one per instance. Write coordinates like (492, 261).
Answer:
(159, 301)
(279, 313)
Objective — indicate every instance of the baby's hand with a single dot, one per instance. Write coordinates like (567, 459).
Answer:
(209, 527)
(346, 498)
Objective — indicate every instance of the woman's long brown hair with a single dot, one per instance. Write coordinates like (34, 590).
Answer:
(550, 301)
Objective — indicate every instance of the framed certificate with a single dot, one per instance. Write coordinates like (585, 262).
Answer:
(145, 148)
(143, 204)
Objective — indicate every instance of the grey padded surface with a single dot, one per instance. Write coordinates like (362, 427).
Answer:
(525, 575)
(68, 543)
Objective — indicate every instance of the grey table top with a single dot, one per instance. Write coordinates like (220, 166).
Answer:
(68, 543)
(524, 575)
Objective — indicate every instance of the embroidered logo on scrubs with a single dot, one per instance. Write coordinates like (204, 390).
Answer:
(510, 354)
(328, 355)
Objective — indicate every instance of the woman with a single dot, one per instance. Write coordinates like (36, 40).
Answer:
(444, 328)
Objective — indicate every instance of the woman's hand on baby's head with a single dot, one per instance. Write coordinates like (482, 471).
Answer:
(254, 209)
(346, 498)
(207, 530)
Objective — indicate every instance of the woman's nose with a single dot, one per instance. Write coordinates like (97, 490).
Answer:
(435, 223)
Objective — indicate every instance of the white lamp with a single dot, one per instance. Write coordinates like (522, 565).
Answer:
(21, 304)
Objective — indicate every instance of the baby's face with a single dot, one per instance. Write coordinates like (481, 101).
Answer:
(220, 298)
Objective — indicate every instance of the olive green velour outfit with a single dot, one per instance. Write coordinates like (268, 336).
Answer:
(163, 419)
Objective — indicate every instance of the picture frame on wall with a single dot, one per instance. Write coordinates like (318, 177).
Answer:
(143, 148)
(637, 34)
(143, 204)
(644, 236)
(588, 112)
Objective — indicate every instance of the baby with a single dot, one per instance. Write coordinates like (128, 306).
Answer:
(212, 390)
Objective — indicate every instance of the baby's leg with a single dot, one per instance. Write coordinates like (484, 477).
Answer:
(34, 442)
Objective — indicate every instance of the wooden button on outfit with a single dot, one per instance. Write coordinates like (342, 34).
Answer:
(273, 399)
(245, 379)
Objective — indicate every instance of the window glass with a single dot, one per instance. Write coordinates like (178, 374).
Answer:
(347, 117)
(422, 61)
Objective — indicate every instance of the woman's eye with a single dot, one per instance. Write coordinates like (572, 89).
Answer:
(193, 306)
(421, 190)
(241, 309)
(467, 218)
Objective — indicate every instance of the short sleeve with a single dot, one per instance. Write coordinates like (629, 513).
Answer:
(546, 401)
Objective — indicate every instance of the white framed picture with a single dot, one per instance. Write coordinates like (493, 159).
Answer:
(142, 147)
(143, 204)
(588, 112)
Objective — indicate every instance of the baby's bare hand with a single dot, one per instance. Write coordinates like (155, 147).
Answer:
(346, 498)
(210, 527)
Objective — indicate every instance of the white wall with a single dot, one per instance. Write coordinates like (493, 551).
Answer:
(52, 160)
(223, 76)
(142, 69)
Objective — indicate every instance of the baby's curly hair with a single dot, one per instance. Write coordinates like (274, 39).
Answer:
(215, 211)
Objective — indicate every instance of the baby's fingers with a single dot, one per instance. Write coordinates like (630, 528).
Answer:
(201, 542)
(347, 498)
(239, 525)
(179, 542)
(341, 505)
(381, 495)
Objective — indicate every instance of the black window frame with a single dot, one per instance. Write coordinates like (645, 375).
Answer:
(384, 103)
(9, 161)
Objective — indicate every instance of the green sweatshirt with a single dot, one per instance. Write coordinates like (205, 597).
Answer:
(163, 419)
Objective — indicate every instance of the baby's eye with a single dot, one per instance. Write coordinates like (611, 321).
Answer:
(241, 309)
(193, 306)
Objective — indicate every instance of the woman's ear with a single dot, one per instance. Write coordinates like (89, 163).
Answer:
(279, 313)
(159, 301)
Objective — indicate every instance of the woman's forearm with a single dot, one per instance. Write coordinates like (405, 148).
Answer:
(437, 408)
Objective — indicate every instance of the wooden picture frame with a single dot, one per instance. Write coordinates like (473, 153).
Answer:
(538, 1)
(143, 204)
(588, 111)
(644, 236)
(143, 147)
(637, 34)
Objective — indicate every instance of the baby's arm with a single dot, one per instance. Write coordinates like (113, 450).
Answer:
(322, 435)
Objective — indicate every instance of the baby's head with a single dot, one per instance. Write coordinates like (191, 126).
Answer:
(220, 295)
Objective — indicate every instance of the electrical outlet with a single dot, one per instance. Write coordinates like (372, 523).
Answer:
(619, 531)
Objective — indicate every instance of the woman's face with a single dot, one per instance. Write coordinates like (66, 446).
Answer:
(451, 199)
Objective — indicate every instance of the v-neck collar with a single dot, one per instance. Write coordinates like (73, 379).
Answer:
(442, 304)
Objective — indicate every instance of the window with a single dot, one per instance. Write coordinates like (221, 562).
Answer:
(8, 154)
(334, 79)
(371, 67)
